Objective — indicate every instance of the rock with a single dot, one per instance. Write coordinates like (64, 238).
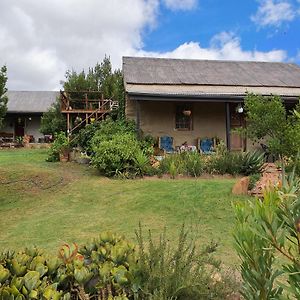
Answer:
(241, 187)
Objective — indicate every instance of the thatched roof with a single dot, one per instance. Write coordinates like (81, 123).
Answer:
(30, 101)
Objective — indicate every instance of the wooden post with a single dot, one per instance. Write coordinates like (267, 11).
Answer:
(138, 118)
(227, 111)
(68, 126)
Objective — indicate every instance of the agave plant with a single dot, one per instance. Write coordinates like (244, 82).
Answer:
(252, 163)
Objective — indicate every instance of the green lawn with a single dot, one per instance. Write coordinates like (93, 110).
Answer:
(47, 204)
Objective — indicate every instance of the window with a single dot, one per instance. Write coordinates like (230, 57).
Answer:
(183, 117)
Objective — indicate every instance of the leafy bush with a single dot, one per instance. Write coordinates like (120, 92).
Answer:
(227, 163)
(60, 145)
(270, 122)
(112, 268)
(105, 131)
(121, 155)
(182, 272)
(267, 240)
(105, 268)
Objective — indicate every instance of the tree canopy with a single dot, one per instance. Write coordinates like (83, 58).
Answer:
(53, 121)
(268, 121)
(3, 97)
(100, 78)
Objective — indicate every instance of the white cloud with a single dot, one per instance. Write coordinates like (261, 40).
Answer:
(224, 46)
(273, 13)
(40, 40)
(180, 4)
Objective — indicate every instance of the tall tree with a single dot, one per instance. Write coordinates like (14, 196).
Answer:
(3, 96)
(269, 122)
(53, 121)
(101, 78)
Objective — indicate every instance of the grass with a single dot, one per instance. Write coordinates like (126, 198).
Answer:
(46, 204)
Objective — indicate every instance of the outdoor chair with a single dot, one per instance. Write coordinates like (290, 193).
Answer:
(166, 144)
(206, 145)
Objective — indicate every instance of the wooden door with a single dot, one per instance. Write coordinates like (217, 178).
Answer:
(237, 120)
(19, 126)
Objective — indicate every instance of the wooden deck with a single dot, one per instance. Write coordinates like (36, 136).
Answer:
(82, 108)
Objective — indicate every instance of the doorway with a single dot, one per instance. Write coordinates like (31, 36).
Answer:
(20, 126)
(237, 120)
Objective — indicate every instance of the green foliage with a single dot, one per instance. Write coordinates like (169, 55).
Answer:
(236, 163)
(3, 97)
(268, 121)
(179, 273)
(112, 268)
(59, 146)
(223, 162)
(105, 130)
(105, 267)
(267, 235)
(252, 163)
(30, 274)
(186, 163)
(117, 156)
(53, 121)
(115, 149)
(253, 179)
(100, 78)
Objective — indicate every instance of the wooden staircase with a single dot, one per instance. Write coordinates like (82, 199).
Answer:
(85, 110)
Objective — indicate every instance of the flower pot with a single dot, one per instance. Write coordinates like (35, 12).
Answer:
(64, 157)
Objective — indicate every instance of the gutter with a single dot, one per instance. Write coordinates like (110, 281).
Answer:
(139, 96)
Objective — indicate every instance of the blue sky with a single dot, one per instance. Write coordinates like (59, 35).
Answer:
(41, 40)
(266, 31)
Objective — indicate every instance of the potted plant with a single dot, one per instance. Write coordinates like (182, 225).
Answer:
(61, 146)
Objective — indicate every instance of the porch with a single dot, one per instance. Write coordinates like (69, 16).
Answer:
(188, 121)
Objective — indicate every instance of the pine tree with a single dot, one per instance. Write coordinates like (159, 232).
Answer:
(3, 96)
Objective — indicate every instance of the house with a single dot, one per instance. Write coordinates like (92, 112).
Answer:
(25, 109)
(191, 99)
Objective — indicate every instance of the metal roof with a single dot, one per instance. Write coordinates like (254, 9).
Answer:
(160, 71)
(30, 101)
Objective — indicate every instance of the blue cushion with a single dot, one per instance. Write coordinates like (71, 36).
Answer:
(206, 145)
(166, 143)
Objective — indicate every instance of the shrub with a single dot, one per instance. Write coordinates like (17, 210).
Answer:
(119, 156)
(270, 122)
(186, 163)
(236, 163)
(104, 130)
(60, 145)
(227, 163)
(253, 179)
(267, 240)
(179, 273)
(103, 269)
(194, 165)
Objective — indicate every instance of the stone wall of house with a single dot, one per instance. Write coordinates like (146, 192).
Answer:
(158, 119)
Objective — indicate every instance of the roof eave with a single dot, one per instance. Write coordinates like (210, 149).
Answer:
(138, 96)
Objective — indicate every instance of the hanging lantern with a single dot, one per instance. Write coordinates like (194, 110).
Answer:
(240, 108)
(187, 112)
